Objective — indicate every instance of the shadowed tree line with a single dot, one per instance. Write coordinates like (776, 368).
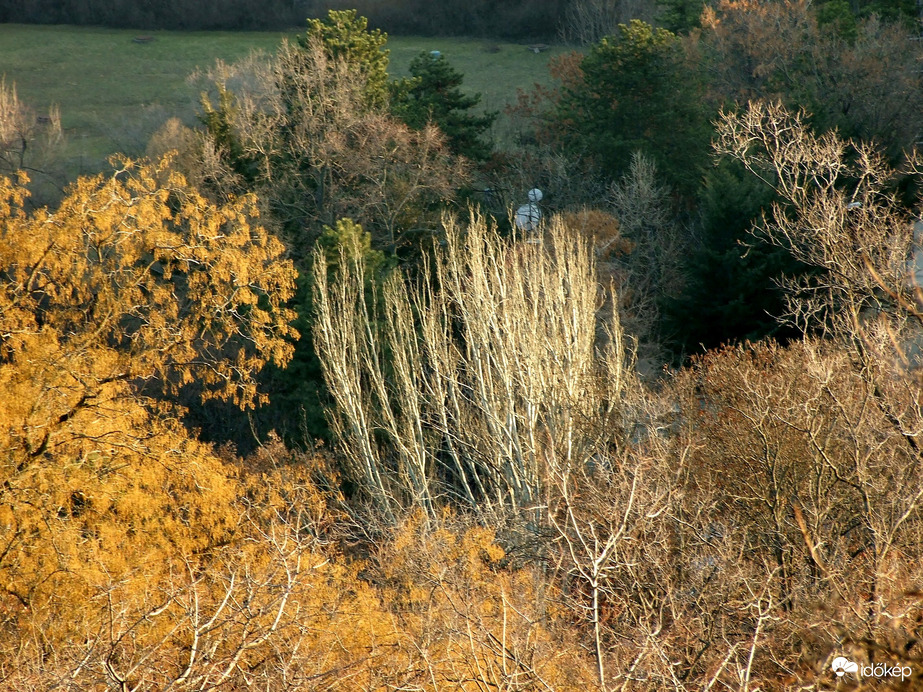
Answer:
(511, 20)
(168, 14)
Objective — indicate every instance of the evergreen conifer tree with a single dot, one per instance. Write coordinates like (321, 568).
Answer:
(347, 37)
(638, 93)
(433, 95)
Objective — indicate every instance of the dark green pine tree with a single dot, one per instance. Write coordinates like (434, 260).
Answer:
(731, 293)
(432, 95)
(639, 93)
(680, 16)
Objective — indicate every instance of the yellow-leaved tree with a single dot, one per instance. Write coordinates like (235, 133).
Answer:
(133, 287)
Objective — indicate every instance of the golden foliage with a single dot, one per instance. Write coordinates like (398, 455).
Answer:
(470, 621)
(133, 284)
(135, 278)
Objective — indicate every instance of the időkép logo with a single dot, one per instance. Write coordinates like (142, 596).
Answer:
(841, 666)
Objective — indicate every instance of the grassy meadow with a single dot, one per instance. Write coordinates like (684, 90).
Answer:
(113, 92)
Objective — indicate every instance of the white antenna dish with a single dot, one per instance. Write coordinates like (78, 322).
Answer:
(528, 216)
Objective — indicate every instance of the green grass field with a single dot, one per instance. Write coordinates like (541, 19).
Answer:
(113, 93)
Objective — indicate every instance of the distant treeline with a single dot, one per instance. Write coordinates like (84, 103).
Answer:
(511, 20)
(156, 14)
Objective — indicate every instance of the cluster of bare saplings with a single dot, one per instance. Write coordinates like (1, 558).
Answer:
(509, 505)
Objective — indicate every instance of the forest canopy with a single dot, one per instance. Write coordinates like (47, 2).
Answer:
(297, 401)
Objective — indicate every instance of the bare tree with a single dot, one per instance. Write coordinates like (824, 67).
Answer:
(654, 266)
(297, 129)
(26, 138)
(839, 213)
(607, 518)
(31, 142)
(587, 21)
(462, 385)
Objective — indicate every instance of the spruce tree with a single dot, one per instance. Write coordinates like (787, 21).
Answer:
(638, 93)
(432, 95)
(732, 292)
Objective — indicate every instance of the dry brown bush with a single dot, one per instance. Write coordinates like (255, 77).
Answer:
(822, 494)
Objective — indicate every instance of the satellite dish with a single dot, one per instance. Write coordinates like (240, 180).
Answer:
(528, 216)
